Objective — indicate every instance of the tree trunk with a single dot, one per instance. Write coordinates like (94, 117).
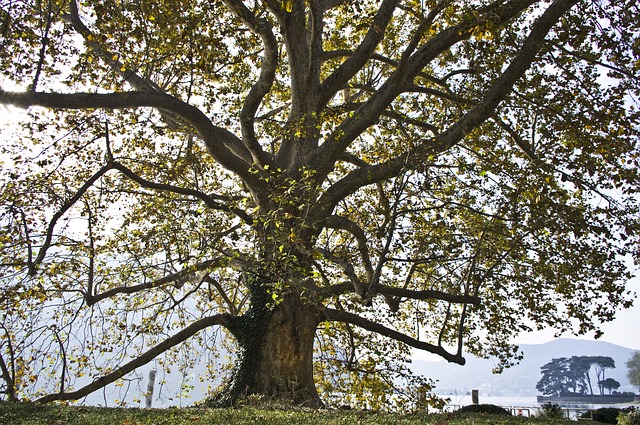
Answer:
(285, 361)
(276, 358)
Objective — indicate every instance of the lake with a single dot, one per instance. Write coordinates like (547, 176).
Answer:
(525, 405)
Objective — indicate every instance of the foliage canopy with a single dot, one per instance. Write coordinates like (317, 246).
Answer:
(609, 384)
(570, 376)
(350, 178)
(633, 369)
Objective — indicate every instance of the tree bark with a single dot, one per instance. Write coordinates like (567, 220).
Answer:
(285, 365)
(276, 354)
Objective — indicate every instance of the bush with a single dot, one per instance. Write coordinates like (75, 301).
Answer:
(551, 411)
(607, 415)
(485, 408)
(631, 417)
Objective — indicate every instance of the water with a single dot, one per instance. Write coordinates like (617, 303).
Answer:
(525, 405)
(465, 399)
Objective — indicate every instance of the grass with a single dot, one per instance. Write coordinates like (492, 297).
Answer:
(25, 413)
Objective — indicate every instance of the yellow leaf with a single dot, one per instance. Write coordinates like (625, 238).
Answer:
(287, 5)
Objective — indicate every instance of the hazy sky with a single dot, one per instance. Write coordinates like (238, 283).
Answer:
(624, 330)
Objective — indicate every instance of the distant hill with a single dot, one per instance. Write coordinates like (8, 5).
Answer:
(520, 380)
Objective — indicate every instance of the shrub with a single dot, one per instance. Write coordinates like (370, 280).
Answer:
(551, 411)
(485, 408)
(632, 417)
(607, 415)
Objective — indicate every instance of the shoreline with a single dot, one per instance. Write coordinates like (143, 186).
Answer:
(590, 399)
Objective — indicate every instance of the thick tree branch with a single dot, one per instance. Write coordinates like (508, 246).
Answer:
(10, 389)
(127, 74)
(233, 308)
(356, 284)
(262, 86)
(498, 13)
(454, 134)
(428, 295)
(293, 19)
(132, 77)
(314, 35)
(343, 223)
(172, 341)
(43, 48)
(9, 376)
(216, 139)
(360, 56)
(174, 279)
(208, 200)
(345, 317)
(330, 4)
(333, 290)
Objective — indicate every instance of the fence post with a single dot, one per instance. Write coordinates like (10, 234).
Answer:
(422, 406)
(150, 384)
(474, 397)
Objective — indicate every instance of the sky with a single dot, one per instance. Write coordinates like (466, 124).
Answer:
(623, 331)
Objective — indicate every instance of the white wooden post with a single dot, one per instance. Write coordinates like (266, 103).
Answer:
(150, 384)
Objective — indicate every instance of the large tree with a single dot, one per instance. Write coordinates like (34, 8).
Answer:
(633, 369)
(345, 178)
(609, 384)
(555, 378)
(601, 364)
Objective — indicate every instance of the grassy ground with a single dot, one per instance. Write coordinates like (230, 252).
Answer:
(64, 415)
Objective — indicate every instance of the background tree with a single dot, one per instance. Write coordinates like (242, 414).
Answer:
(600, 364)
(633, 369)
(609, 384)
(555, 378)
(578, 374)
(566, 376)
(278, 176)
